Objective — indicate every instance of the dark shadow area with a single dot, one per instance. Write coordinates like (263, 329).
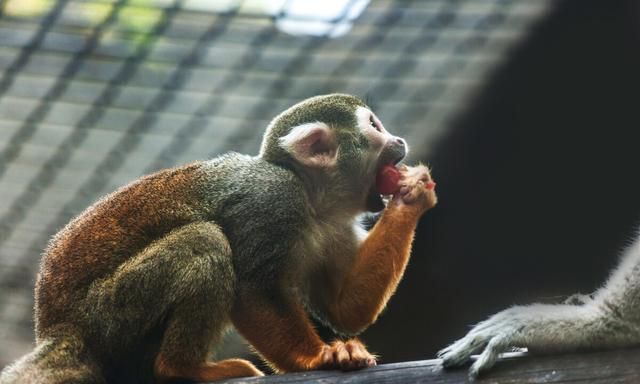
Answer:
(537, 181)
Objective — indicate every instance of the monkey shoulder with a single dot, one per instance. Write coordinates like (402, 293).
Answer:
(269, 220)
(260, 205)
(255, 185)
(262, 210)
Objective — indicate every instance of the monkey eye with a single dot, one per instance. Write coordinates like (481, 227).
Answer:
(373, 123)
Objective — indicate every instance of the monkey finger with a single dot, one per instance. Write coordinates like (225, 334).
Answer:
(409, 197)
(488, 357)
(460, 351)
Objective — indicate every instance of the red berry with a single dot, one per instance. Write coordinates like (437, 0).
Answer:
(430, 185)
(387, 180)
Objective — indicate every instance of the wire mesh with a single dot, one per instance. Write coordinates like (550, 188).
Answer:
(94, 93)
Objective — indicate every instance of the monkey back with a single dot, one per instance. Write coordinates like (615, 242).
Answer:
(257, 204)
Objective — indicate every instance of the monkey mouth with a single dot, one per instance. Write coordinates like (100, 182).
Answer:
(375, 202)
(391, 159)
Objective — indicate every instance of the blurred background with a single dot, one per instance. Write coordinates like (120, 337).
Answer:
(527, 110)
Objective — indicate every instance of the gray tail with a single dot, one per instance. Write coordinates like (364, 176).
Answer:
(55, 360)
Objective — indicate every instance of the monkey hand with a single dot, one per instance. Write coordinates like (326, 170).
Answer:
(345, 355)
(417, 189)
(489, 338)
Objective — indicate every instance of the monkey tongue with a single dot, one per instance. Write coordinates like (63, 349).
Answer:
(388, 180)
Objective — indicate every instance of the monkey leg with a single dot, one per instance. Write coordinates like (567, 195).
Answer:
(282, 333)
(184, 280)
(187, 342)
(185, 349)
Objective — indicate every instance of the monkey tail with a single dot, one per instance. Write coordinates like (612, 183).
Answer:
(57, 359)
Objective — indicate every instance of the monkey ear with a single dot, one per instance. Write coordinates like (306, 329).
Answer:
(312, 144)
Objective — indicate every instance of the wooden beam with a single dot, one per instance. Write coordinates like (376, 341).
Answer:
(605, 367)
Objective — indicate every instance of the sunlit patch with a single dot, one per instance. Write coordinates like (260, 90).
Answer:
(331, 18)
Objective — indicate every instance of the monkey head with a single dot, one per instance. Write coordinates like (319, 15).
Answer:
(337, 145)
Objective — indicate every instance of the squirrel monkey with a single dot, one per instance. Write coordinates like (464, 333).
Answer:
(141, 286)
(610, 318)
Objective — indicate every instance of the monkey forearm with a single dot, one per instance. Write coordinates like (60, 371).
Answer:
(377, 270)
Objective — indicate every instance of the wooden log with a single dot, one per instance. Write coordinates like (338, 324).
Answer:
(604, 367)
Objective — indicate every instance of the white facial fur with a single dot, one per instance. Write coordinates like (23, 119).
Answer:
(377, 135)
(373, 129)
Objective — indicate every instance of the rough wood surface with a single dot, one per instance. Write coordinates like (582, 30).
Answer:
(607, 367)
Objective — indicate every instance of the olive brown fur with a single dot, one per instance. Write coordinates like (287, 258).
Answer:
(141, 286)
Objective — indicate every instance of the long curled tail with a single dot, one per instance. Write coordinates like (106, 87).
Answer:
(57, 359)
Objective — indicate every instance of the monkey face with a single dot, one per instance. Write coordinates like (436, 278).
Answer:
(385, 148)
(382, 149)
(338, 144)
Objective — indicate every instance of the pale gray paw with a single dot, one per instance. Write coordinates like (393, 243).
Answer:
(489, 339)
